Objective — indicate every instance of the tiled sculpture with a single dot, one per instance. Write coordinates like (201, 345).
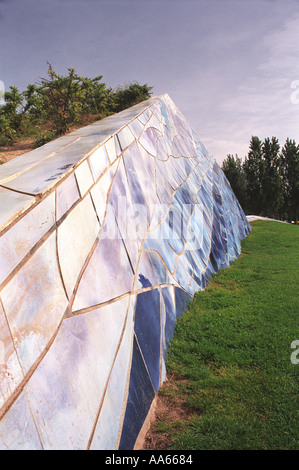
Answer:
(105, 235)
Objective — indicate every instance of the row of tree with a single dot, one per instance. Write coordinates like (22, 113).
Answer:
(58, 102)
(266, 183)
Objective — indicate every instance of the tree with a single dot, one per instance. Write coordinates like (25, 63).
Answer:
(131, 94)
(34, 103)
(50, 107)
(267, 183)
(290, 175)
(272, 184)
(253, 169)
(233, 170)
(10, 116)
(97, 97)
(66, 98)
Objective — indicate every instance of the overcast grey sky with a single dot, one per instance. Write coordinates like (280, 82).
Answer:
(229, 65)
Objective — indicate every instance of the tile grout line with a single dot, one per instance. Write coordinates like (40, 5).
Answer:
(109, 375)
(57, 253)
(19, 389)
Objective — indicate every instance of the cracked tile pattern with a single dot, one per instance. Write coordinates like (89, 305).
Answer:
(105, 236)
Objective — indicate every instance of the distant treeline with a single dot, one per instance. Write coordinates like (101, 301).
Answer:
(267, 182)
(51, 107)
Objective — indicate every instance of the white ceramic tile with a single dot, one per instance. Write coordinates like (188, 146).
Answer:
(117, 146)
(125, 137)
(19, 240)
(17, 428)
(65, 391)
(12, 204)
(84, 178)
(193, 233)
(100, 130)
(111, 150)
(67, 193)
(35, 302)
(128, 217)
(99, 192)
(141, 199)
(155, 123)
(136, 128)
(144, 117)
(163, 149)
(98, 162)
(106, 276)
(10, 370)
(76, 236)
(148, 140)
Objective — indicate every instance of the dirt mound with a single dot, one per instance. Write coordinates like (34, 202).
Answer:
(9, 152)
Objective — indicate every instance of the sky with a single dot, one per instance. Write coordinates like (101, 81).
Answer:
(230, 66)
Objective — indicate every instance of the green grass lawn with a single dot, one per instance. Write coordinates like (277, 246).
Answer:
(231, 352)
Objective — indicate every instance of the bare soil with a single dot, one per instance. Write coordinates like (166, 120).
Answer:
(18, 148)
(172, 410)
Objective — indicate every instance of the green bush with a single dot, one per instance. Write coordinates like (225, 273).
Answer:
(51, 107)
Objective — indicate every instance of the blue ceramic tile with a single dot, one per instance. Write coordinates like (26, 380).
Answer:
(137, 194)
(183, 271)
(155, 242)
(141, 395)
(182, 300)
(148, 331)
(164, 114)
(196, 263)
(151, 270)
(172, 230)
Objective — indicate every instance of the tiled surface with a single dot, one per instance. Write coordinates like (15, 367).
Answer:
(105, 236)
(73, 375)
(12, 203)
(34, 301)
(75, 240)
